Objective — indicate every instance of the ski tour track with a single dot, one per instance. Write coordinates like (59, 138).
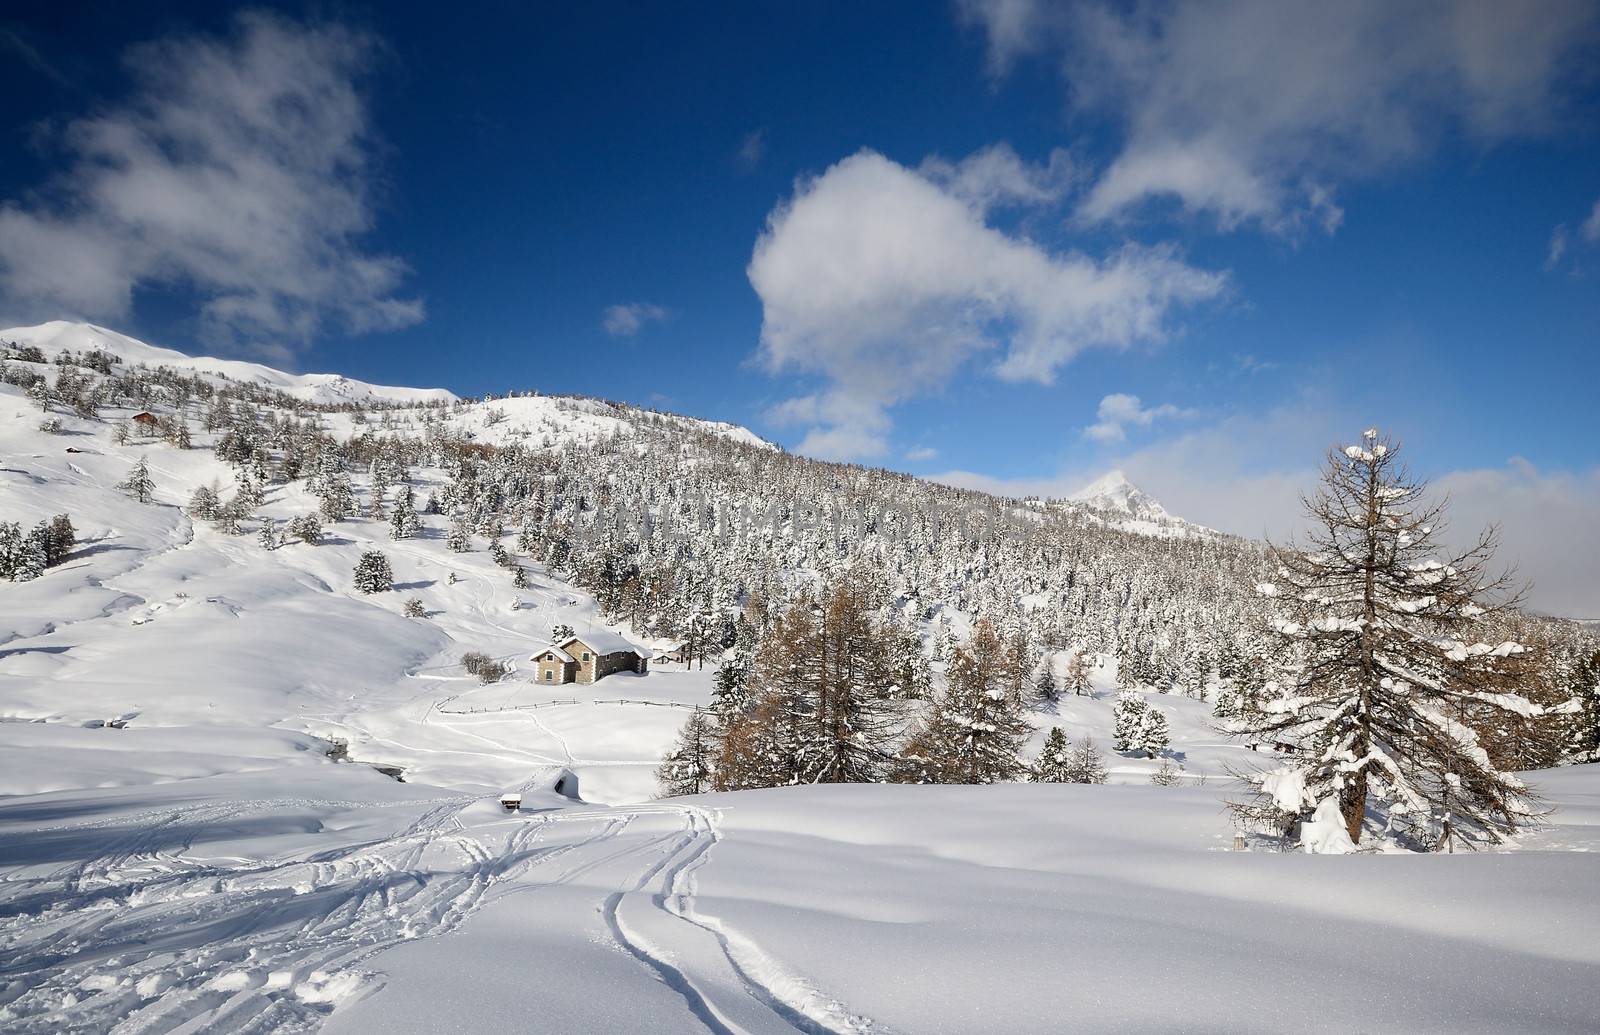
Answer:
(140, 937)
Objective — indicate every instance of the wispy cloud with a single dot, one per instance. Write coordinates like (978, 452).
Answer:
(922, 454)
(628, 319)
(884, 281)
(752, 149)
(1331, 94)
(239, 169)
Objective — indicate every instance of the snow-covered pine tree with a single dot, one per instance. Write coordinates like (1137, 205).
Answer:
(1054, 762)
(204, 503)
(60, 537)
(1127, 718)
(35, 554)
(11, 549)
(404, 523)
(267, 537)
(1154, 734)
(413, 608)
(689, 767)
(459, 538)
(372, 574)
(338, 498)
(307, 528)
(139, 484)
(1045, 692)
(520, 579)
(1389, 686)
(976, 728)
(1086, 764)
(730, 696)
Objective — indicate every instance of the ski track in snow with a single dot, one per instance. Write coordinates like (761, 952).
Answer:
(142, 938)
(727, 981)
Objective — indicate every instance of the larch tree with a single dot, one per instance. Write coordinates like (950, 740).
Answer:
(1387, 687)
(825, 675)
(689, 767)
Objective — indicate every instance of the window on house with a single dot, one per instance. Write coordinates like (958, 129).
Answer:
(585, 655)
(549, 675)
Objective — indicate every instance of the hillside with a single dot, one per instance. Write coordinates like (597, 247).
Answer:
(197, 720)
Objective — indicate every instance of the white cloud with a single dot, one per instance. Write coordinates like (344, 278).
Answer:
(1119, 410)
(1558, 247)
(752, 149)
(238, 168)
(921, 454)
(626, 320)
(995, 177)
(1591, 226)
(1252, 110)
(885, 283)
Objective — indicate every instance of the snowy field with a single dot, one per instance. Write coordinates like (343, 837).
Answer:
(178, 852)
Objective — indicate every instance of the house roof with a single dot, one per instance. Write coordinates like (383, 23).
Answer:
(552, 649)
(602, 641)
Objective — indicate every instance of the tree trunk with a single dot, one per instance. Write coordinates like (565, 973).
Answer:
(1353, 804)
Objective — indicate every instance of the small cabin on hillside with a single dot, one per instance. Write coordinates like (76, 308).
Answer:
(586, 658)
(146, 419)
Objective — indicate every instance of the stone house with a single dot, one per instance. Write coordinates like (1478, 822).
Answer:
(586, 658)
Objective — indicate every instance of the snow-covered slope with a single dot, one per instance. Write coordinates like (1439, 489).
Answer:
(60, 335)
(179, 852)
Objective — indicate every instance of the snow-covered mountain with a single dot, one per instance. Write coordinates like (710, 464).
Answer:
(64, 336)
(1114, 493)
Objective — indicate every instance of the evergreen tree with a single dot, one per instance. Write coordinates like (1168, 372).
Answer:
(689, 767)
(1154, 736)
(1127, 718)
(730, 698)
(372, 573)
(11, 550)
(520, 579)
(203, 503)
(267, 538)
(404, 523)
(1389, 685)
(1054, 763)
(414, 609)
(459, 538)
(139, 484)
(976, 729)
(306, 528)
(338, 498)
(60, 538)
(1045, 691)
(35, 556)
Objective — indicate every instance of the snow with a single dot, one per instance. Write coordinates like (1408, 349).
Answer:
(60, 335)
(211, 866)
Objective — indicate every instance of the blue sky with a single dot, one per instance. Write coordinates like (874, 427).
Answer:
(1002, 243)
